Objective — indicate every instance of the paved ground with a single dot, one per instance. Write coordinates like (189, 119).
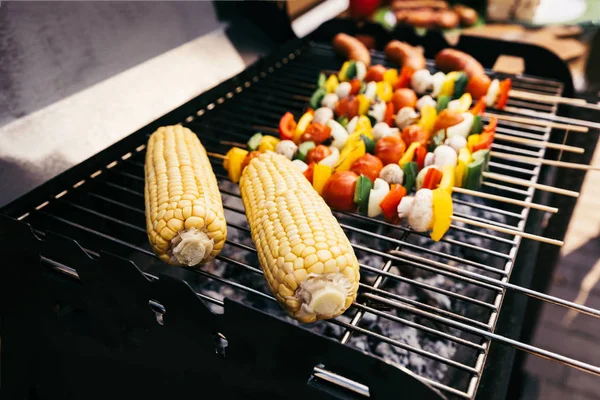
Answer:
(580, 339)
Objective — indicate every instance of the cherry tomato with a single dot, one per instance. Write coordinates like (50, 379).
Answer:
(316, 132)
(375, 73)
(338, 191)
(317, 154)
(404, 97)
(347, 107)
(414, 133)
(355, 85)
(310, 172)
(447, 119)
(287, 125)
(249, 158)
(368, 165)
(478, 85)
(390, 149)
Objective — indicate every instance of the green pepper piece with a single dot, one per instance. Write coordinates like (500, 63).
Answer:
(361, 192)
(460, 84)
(473, 174)
(442, 103)
(484, 155)
(254, 141)
(343, 121)
(304, 148)
(317, 97)
(321, 81)
(477, 126)
(410, 170)
(369, 144)
(351, 72)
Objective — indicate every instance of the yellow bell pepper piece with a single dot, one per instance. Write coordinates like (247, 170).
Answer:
(391, 76)
(320, 175)
(464, 158)
(384, 90)
(465, 102)
(344, 71)
(364, 124)
(331, 84)
(447, 182)
(268, 143)
(233, 163)
(428, 117)
(303, 123)
(363, 105)
(472, 140)
(349, 154)
(409, 154)
(442, 213)
(448, 85)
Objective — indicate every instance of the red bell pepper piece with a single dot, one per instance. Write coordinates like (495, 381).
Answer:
(432, 178)
(389, 113)
(486, 138)
(355, 86)
(421, 152)
(287, 126)
(479, 107)
(404, 78)
(389, 204)
(505, 86)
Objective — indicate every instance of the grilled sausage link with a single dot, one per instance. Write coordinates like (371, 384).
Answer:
(454, 60)
(405, 55)
(468, 16)
(351, 48)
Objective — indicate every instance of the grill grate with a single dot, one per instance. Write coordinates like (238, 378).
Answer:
(450, 291)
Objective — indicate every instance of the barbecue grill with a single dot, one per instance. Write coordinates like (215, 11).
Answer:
(89, 311)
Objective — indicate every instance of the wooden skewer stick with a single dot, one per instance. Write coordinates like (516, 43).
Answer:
(537, 122)
(525, 182)
(507, 231)
(503, 199)
(216, 155)
(539, 143)
(544, 98)
(533, 160)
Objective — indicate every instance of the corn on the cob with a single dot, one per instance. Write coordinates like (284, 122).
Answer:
(307, 259)
(184, 212)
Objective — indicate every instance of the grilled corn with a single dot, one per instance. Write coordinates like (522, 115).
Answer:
(306, 258)
(184, 213)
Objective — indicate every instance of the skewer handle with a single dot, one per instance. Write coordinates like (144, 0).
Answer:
(216, 155)
(544, 98)
(508, 231)
(534, 160)
(489, 196)
(539, 143)
(524, 182)
(537, 122)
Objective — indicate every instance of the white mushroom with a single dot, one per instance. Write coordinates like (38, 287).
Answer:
(420, 217)
(421, 81)
(381, 130)
(330, 100)
(444, 155)
(392, 173)
(438, 80)
(338, 133)
(456, 142)
(405, 117)
(286, 148)
(322, 115)
(371, 90)
(405, 206)
(343, 89)
(425, 101)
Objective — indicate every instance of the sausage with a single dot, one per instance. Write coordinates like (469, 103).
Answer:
(447, 19)
(405, 55)
(425, 18)
(367, 40)
(467, 15)
(351, 48)
(454, 60)
(412, 4)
